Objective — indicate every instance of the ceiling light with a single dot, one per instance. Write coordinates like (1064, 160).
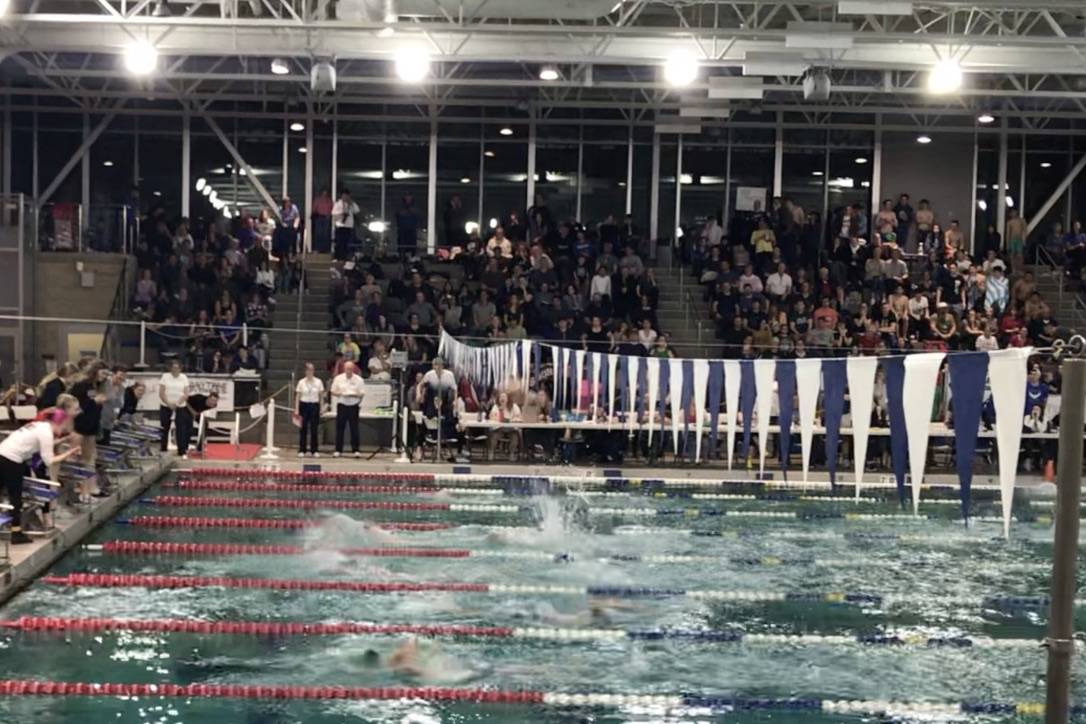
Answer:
(303, 149)
(162, 10)
(207, 190)
(816, 173)
(548, 72)
(243, 172)
(865, 184)
(861, 160)
(471, 227)
(678, 232)
(279, 66)
(297, 126)
(107, 164)
(465, 180)
(200, 183)
(377, 227)
(140, 58)
(923, 139)
(399, 175)
(1046, 164)
(4, 5)
(412, 65)
(157, 193)
(985, 118)
(1010, 202)
(686, 178)
(488, 154)
(505, 131)
(982, 204)
(493, 223)
(389, 13)
(945, 77)
(681, 68)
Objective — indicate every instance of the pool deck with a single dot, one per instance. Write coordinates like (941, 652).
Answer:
(26, 562)
(1032, 485)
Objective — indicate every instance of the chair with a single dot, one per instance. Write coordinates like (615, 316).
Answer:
(432, 436)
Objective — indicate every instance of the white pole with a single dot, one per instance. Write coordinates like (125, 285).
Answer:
(245, 334)
(403, 437)
(269, 436)
(143, 343)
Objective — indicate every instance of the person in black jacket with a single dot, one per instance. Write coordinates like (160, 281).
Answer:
(87, 425)
(53, 384)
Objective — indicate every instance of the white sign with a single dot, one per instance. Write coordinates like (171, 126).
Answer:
(750, 198)
(198, 385)
(376, 395)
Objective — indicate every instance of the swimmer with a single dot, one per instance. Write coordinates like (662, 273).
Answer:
(600, 613)
(417, 658)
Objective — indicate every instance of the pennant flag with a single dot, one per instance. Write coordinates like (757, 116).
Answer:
(578, 376)
(808, 384)
(833, 409)
(612, 364)
(652, 367)
(701, 384)
(558, 360)
(786, 394)
(665, 390)
(675, 385)
(899, 435)
(968, 371)
(861, 396)
(732, 383)
(639, 383)
(921, 375)
(747, 393)
(716, 388)
(625, 396)
(1008, 373)
(537, 360)
(764, 370)
(526, 349)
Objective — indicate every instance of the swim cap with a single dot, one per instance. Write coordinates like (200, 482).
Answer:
(371, 658)
(58, 416)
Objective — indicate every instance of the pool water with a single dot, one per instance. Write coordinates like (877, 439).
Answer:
(938, 574)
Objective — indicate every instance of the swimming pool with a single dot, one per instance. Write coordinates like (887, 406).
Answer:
(562, 608)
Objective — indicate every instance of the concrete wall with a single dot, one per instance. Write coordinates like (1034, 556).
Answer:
(941, 171)
(59, 291)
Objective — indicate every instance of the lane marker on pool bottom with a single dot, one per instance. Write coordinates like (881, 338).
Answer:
(570, 635)
(128, 580)
(129, 547)
(676, 703)
(340, 504)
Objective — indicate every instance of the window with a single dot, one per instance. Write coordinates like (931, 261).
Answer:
(603, 183)
(457, 175)
(557, 182)
(505, 177)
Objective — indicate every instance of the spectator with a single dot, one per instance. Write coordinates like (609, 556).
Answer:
(347, 390)
(344, 213)
(321, 213)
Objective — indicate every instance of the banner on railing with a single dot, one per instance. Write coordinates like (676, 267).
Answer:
(226, 386)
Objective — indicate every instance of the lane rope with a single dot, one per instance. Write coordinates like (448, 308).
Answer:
(245, 486)
(556, 634)
(125, 547)
(684, 703)
(184, 521)
(126, 580)
(690, 512)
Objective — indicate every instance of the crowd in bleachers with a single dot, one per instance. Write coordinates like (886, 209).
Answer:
(207, 291)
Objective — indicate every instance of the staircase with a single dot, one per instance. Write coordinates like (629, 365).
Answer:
(291, 350)
(679, 311)
(1067, 311)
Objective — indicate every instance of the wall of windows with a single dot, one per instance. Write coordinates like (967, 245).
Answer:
(582, 167)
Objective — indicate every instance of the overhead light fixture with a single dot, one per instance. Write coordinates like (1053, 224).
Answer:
(162, 10)
(377, 227)
(107, 164)
(874, 7)
(985, 118)
(861, 160)
(680, 68)
(505, 131)
(303, 149)
(686, 178)
(200, 183)
(207, 190)
(412, 65)
(865, 184)
(923, 139)
(488, 153)
(4, 5)
(140, 58)
(816, 173)
(1046, 164)
(945, 77)
(297, 126)
(679, 232)
(548, 72)
(465, 180)
(389, 13)
(279, 66)
(493, 223)
(471, 227)
(1010, 202)
(157, 193)
(982, 204)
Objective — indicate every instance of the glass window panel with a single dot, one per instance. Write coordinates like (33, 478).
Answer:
(849, 182)
(556, 182)
(604, 182)
(703, 194)
(505, 180)
(752, 167)
(803, 178)
(642, 189)
(406, 184)
(457, 176)
(669, 154)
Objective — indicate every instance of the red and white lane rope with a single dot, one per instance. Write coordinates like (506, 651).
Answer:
(645, 703)
(185, 521)
(345, 488)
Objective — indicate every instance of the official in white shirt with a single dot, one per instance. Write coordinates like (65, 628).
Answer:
(307, 406)
(16, 451)
(173, 393)
(348, 389)
(344, 212)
